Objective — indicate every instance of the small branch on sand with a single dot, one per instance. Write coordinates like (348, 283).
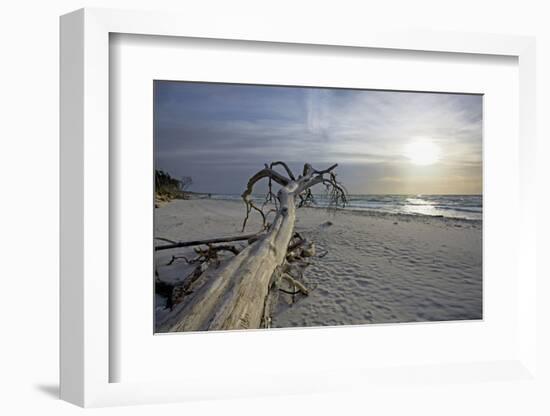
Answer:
(166, 240)
(179, 244)
(242, 292)
(296, 283)
(174, 258)
(205, 254)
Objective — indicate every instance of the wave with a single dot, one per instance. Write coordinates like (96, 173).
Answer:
(469, 207)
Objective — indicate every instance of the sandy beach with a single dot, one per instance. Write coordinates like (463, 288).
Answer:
(378, 268)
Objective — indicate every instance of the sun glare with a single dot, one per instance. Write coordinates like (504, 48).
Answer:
(422, 152)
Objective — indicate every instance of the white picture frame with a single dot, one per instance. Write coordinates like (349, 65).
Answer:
(85, 211)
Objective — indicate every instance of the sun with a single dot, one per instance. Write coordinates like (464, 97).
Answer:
(422, 152)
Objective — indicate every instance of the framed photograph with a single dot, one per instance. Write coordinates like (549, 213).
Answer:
(341, 206)
(239, 199)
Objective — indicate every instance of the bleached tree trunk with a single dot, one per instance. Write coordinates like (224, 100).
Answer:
(234, 295)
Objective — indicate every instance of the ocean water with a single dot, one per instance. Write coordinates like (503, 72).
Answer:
(469, 207)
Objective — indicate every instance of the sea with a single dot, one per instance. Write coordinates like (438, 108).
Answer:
(468, 207)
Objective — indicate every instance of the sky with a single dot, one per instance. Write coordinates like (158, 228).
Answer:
(385, 142)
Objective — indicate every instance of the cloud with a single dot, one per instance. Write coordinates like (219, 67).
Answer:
(212, 130)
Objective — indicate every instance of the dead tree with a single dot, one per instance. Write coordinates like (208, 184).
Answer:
(241, 292)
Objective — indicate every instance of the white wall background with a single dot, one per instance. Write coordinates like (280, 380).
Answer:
(29, 207)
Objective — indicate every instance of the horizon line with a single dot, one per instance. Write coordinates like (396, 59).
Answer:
(352, 193)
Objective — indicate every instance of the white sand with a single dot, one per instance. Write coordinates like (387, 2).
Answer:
(379, 268)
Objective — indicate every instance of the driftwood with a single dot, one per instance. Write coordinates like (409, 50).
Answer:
(179, 244)
(242, 292)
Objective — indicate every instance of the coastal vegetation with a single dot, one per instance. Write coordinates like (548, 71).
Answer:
(168, 188)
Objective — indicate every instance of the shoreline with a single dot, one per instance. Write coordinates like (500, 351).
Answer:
(403, 216)
(366, 212)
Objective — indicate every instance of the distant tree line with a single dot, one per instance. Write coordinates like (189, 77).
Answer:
(168, 187)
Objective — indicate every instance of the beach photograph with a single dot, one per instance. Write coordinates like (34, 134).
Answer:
(294, 206)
